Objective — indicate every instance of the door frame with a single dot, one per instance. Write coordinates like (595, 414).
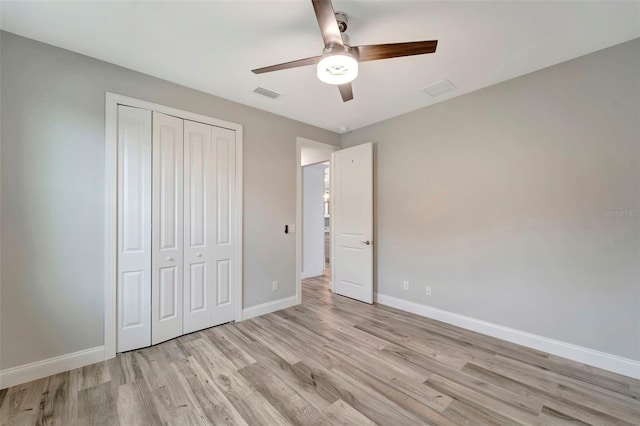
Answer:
(320, 146)
(112, 100)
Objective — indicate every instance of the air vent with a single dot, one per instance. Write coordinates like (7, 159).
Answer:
(268, 93)
(440, 88)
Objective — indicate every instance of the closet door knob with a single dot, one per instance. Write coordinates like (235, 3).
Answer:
(170, 259)
(198, 254)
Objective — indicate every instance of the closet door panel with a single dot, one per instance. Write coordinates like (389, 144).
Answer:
(167, 223)
(224, 284)
(134, 229)
(224, 149)
(197, 289)
(199, 226)
(168, 290)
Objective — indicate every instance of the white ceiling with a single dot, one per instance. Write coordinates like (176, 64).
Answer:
(212, 46)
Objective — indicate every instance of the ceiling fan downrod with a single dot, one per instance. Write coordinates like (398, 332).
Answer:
(343, 21)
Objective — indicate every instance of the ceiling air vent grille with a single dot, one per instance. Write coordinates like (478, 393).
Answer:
(268, 93)
(440, 88)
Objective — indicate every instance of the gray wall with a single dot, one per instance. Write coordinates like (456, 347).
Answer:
(499, 201)
(52, 193)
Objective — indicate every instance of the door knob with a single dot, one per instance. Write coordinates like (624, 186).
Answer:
(366, 243)
(170, 259)
(198, 254)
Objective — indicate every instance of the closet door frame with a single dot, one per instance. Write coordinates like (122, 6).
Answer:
(112, 100)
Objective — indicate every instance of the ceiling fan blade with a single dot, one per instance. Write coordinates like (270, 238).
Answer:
(394, 50)
(346, 91)
(286, 65)
(328, 25)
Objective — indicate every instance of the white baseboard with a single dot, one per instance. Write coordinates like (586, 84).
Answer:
(266, 308)
(614, 363)
(47, 367)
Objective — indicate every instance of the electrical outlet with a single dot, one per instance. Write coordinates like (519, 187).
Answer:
(405, 285)
(276, 285)
(428, 290)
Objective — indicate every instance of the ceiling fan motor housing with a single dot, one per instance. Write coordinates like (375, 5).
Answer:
(343, 20)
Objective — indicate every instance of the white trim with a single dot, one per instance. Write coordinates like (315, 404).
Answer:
(112, 100)
(111, 224)
(308, 143)
(332, 209)
(186, 115)
(267, 308)
(239, 223)
(299, 220)
(609, 362)
(47, 367)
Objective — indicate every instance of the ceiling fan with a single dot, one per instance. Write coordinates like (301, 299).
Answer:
(338, 63)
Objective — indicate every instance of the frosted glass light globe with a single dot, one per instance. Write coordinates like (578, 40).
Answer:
(337, 68)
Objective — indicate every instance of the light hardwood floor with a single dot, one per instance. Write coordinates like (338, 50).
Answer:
(328, 361)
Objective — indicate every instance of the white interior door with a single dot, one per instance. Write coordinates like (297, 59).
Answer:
(209, 170)
(167, 224)
(199, 226)
(224, 244)
(134, 229)
(352, 222)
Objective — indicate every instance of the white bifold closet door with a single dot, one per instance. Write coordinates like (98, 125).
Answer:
(134, 229)
(209, 196)
(167, 224)
(176, 223)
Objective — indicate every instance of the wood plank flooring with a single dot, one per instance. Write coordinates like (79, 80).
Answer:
(329, 361)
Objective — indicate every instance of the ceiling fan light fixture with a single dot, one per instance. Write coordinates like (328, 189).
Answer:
(337, 68)
(338, 64)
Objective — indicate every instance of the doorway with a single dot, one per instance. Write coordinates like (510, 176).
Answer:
(316, 220)
(313, 242)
